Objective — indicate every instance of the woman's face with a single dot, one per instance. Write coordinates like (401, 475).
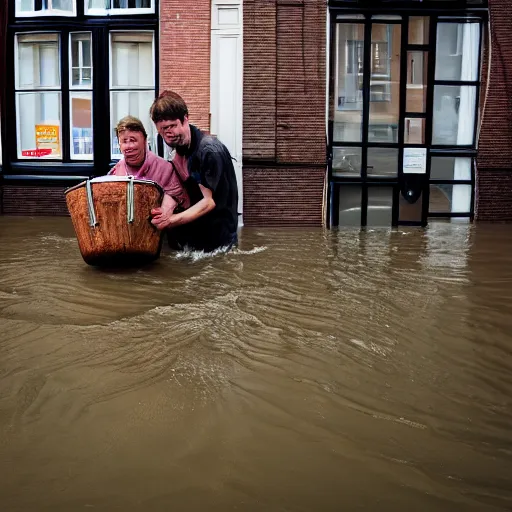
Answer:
(133, 147)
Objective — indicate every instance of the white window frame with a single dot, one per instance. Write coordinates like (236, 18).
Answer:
(19, 89)
(112, 89)
(80, 59)
(74, 92)
(50, 11)
(111, 11)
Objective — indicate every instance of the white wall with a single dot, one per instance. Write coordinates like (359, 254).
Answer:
(226, 81)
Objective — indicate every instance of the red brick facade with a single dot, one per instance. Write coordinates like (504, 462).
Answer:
(185, 54)
(33, 200)
(283, 197)
(494, 161)
(284, 111)
(284, 101)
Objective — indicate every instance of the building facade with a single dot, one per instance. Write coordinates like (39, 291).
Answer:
(337, 113)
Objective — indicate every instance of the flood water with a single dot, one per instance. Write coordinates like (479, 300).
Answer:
(306, 371)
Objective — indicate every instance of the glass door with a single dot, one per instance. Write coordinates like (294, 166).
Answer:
(403, 100)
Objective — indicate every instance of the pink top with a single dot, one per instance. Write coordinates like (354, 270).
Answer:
(156, 169)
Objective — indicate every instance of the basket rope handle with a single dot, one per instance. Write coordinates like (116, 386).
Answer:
(130, 203)
(93, 222)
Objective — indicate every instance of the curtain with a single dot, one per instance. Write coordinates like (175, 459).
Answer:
(461, 195)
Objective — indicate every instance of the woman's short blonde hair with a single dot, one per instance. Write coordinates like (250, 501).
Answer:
(130, 123)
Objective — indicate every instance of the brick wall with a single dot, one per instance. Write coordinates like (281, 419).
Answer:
(284, 111)
(185, 28)
(494, 161)
(260, 79)
(283, 197)
(33, 200)
(494, 195)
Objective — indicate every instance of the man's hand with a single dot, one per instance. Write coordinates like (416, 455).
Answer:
(163, 217)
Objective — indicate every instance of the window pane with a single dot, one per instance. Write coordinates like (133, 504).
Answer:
(81, 125)
(103, 5)
(418, 29)
(350, 205)
(346, 162)
(414, 131)
(457, 51)
(38, 61)
(25, 6)
(81, 59)
(58, 7)
(132, 59)
(450, 198)
(99, 4)
(454, 115)
(416, 81)
(382, 162)
(135, 104)
(450, 168)
(132, 4)
(348, 109)
(62, 5)
(384, 83)
(38, 122)
(380, 206)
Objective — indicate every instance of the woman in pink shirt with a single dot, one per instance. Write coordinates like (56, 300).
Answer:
(141, 163)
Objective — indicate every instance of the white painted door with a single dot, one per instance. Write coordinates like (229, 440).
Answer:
(226, 85)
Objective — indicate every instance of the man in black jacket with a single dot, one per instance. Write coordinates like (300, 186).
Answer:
(207, 173)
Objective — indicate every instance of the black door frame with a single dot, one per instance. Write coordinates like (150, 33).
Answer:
(456, 11)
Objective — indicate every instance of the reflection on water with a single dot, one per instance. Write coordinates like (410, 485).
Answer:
(306, 370)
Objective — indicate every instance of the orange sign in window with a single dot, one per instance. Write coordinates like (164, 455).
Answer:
(47, 137)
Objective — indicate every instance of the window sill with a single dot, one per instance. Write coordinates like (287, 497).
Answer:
(52, 168)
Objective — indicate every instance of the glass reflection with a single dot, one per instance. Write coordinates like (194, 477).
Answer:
(348, 108)
(384, 83)
(382, 162)
(457, 51)
(416, 81)
(346, 162)
(350, 205)
(454, 115)
(446, 198)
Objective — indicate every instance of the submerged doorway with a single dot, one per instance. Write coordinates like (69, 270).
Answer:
(403, 117)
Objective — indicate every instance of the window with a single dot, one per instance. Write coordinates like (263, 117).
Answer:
(80, 95)
(54, 113)
(72, 79)
(384, 83)
(31, 8)
(455, 98)
(456, 89)
(453, 196)
(115, 7)
(349, 82)
(132, 81)
(38, 96)
(403, 117)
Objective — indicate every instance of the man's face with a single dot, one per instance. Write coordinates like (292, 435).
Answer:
(133, 147)
(174, 132)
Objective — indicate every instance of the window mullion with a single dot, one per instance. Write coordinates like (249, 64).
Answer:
(65, 98)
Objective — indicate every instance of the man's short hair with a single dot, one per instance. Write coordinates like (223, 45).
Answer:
(168, 106)
(130, 123)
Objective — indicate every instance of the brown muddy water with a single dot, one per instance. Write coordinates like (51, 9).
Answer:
(306, 371)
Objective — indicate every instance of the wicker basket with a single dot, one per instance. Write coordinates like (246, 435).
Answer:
(112, 220)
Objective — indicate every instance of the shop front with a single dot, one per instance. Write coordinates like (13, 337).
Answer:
(404, 98)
